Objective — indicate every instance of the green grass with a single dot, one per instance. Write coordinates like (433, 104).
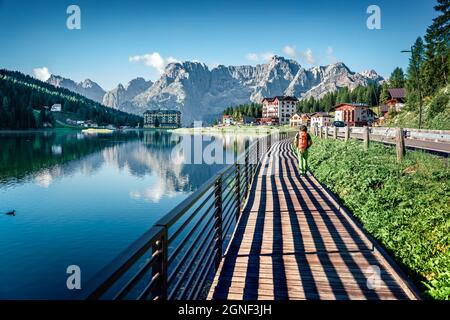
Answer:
(404, 206)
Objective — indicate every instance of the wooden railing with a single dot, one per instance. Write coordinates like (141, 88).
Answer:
(430, 141)
(178, 257)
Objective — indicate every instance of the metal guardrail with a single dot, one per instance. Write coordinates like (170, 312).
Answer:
(178, 257)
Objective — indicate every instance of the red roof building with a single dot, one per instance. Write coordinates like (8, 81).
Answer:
(280, 108)
(227, 120)
(354, 114)
(397, 98)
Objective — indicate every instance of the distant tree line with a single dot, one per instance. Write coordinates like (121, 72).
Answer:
(369, 95)
(20, 95)
(248, 110)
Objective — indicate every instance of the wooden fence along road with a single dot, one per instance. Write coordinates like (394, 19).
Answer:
(294, 241)
(433, 141)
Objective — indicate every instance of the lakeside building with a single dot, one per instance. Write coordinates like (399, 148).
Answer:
(279, 109)
(56, 108)
(227, 120)
(298, 120)
(266, 121)
(321, 119)
(354, 114)
(166, 119)
(246, 120)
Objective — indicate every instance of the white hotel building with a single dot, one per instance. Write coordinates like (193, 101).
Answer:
(280, 109)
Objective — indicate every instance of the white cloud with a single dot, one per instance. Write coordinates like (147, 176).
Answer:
(154, 60)
(41, 73)
(330, 55)
(308, 56)
(290, 51)
(259, 57)
(172, 60)
(267, 56)
(252, 57)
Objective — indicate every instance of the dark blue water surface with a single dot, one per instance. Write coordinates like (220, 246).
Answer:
(81, 199)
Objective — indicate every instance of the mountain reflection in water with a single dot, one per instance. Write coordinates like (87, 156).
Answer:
(81, 199)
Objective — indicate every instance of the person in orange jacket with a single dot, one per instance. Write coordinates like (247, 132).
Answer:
(303, 142)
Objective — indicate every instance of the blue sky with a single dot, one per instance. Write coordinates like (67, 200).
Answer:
(120, 40)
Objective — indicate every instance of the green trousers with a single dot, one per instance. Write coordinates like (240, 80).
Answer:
(302, 161)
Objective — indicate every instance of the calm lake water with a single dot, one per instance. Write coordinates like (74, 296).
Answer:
(81, 199)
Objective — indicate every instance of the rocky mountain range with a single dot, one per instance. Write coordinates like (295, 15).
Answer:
(201, 93)
(87, 88)
(121, 96)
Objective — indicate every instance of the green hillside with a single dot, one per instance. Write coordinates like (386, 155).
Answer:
(435, 114)
(21, 96)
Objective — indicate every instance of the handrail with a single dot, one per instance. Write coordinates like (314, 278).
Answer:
(182, 251)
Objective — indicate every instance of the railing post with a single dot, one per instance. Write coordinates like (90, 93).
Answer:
(161, 266)
(326, 132)
(335, 133)
(218, 219)
(238, 191)
(247, 172)
(366, 138)
(347, 133)
(400, 144)
(320, 132)
(250, 170)
(257, 151)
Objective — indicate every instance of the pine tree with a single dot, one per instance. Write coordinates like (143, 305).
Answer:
(436, 65)
(361, 95)
(415, 78)
(3, 114)
(6, 117)
(397, 79)
(384, 95)
(42, 118)
(345, 97)
(371, 97)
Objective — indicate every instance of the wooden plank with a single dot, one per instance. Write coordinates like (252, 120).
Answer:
(294, 242)
(303, 286)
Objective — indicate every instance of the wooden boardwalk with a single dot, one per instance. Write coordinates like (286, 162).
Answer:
(294, 241)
